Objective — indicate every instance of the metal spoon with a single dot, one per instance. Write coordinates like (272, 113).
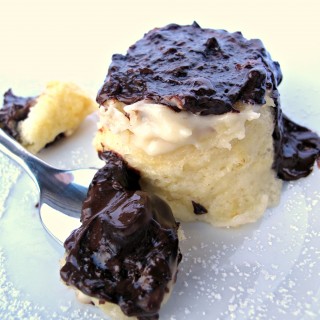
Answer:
(61, 191)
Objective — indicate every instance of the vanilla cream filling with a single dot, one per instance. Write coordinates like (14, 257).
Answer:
(157, 129)
(234, 184)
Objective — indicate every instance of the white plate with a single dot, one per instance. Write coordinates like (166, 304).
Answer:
(267, 270)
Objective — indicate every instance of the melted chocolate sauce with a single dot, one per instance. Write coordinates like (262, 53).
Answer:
(296, 148)
(202, 71)
(14, 110)
(126, 249)
(206, 71)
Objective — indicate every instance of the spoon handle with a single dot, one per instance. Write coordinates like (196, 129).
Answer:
(31, 164)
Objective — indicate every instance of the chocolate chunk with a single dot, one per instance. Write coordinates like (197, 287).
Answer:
(127, 246)
(164, 67)
(14, 110)
(198, 208)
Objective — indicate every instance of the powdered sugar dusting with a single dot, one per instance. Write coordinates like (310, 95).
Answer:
(268, 270)
(262, 271)
(30, 287)
(15, 304)
(9, 174)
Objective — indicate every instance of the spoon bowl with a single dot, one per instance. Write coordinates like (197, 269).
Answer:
(62, 192)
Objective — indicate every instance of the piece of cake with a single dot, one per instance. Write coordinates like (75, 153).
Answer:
(124, 256)
(197, 112)
(38, 121)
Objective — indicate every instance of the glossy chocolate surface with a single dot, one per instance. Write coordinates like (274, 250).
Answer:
(206, 71)
(296, 148)
(14, 110)
(126, 250)
(202, 71)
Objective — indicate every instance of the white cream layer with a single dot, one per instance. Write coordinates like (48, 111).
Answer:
(157, 129)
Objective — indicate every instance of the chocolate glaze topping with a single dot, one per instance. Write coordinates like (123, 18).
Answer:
(203, 71)
(206, 71)
(126, 249)
(14, 110)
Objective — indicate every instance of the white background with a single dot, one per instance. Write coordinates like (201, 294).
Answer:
(74, 40)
